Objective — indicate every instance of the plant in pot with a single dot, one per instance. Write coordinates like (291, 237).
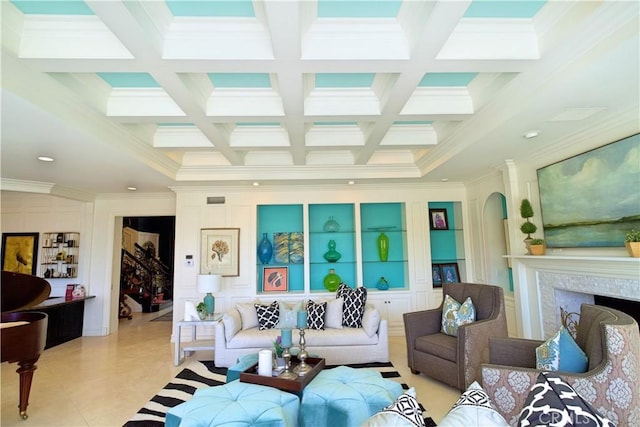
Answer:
(632, 243)
(528, 228)
(201, 308)
(537, 246)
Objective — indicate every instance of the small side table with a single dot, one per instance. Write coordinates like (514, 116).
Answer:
(190, 346)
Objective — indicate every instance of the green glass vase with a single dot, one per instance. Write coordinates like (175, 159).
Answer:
(383, 246)
(332, 281)
(332, 255)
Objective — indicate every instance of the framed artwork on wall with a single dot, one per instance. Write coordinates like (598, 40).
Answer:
(275, 279)
(20, 252)
(436, 275)
(220, 251)
(439, 219)
(450, 273)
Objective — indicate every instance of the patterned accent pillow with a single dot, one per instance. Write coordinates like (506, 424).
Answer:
(553, 402)
(405, 411)
(561, 353)
(455, 315)
(268, 315)
(473, 408)
(353, 307)
(315, 314)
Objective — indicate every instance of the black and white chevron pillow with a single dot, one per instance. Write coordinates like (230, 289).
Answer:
(353, 307)
(268, 315)
(315, 314)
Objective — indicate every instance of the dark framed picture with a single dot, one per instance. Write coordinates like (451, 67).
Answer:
(436, 275)
(439, 219)
(450, 273)
(20, 252)
(275, 279)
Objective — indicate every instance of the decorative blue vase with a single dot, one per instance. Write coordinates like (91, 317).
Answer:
(383, 285)
(265, 249)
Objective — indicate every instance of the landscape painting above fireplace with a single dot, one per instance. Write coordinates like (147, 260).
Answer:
(592, 199)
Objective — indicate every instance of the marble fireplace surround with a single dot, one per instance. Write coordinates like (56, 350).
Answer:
(545, 283)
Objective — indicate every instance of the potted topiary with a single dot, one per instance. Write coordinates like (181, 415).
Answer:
(528, 228)
(537, 246)
(632, 242)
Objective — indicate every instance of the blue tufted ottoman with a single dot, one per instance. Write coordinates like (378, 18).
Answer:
(244, 363)
(236, 403)
(345, 396)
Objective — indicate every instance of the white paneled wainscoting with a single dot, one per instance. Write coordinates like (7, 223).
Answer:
(545, 284)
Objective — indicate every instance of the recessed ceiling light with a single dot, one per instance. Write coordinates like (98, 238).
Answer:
(256, 184)
(45, 158)
(132, 188)
(351, 182)
(444, 179)
(531, 134)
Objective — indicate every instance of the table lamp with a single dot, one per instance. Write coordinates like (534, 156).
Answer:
(208, 284)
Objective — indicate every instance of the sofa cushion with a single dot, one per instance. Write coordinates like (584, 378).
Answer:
(353, 308)
(268, 315)
(370, 319)
(473, 408)
(561, 353)
(316, 312)
(552, 401)
(288, 314)
(333, 316)
(232, 323)
(455, 314)
(248, 314)
(404, 411)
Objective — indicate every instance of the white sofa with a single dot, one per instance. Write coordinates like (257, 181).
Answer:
(336, 344)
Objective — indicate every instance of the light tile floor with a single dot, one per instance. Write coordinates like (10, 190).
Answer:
(103, 381)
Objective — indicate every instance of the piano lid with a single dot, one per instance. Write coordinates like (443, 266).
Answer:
(21, 291)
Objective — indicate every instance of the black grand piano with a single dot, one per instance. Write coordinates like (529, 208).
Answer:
(24, 334)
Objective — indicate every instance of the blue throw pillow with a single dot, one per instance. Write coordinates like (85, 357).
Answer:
(561, 353)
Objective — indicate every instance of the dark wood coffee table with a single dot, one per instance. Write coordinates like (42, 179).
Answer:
(250, 375)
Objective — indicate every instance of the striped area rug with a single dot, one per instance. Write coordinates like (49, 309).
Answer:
(204, 374)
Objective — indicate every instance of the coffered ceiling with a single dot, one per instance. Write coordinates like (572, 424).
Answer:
(155, 94)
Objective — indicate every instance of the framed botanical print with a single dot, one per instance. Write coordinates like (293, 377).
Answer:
(439, 219)
(450, 273)
(20, 252)
(220, 251)
(436, 275)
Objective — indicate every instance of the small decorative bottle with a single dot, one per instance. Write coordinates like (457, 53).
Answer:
(332, 255)
(383, 285)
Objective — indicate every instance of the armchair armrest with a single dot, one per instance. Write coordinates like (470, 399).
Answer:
(420, 323)
(518, 352)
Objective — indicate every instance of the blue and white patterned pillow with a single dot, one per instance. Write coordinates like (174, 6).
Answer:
(455, 314)
(553, 402)
(561, 353)
(316, 312)
(268, 315)
(353, 307)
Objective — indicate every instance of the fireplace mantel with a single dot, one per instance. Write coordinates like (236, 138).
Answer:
(538, 278)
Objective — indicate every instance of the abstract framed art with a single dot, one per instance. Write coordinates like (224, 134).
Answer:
(20, 252)
(275, 279)
(220, 251)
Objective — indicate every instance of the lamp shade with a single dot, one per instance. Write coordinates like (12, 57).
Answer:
(209, 283)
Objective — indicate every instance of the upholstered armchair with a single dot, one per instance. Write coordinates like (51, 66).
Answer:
(611, 341)
(455, 360)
